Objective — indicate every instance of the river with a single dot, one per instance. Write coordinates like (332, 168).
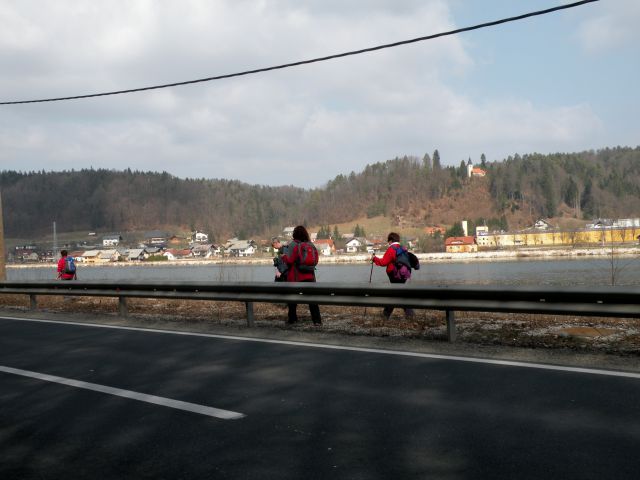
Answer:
(530, 272)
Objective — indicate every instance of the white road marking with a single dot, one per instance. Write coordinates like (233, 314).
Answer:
(435, 356)
(142, 397)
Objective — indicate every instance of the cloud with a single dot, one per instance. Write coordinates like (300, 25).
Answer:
(614, 26)
(298, 126)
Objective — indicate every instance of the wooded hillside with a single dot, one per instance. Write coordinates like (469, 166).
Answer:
(413, 191)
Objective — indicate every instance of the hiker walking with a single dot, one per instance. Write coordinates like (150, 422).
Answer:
(301, 257)
(398, 269)
(66, 267)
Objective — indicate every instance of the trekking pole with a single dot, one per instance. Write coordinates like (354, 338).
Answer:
(370, 275)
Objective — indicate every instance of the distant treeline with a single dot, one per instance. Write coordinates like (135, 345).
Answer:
(604, 183)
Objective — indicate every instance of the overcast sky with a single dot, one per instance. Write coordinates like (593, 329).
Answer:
(562, 82)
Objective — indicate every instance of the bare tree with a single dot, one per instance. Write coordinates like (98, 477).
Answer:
(617, 263)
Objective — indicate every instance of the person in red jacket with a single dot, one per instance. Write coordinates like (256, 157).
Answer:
(62, 275)
(389, 260)
(289, 256)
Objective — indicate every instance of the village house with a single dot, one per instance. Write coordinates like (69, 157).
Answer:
(241, 248)
(31, 257)
(135, 255)
(25, 255)
(460, 244)
(482, 230)
(325, 247)
(600, 223)
(156, 238)
(152, 251)
(77, 256)
(90, 256)
(475, 171)
(542, 224)
(626, 223)
(199, 237)
(356, 244)
(201, 250)
(111, 240)
(287, 232)
(177, 254)
(169, 254)
(106, 256)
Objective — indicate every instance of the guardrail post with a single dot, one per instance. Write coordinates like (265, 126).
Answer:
(451, 326)
(250, 316)
(122, 307)
(33, 302)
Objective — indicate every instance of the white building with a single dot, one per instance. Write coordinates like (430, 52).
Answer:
(287, 232)
(111, 240)
(200, 237)
(354, 245)
(241, 248)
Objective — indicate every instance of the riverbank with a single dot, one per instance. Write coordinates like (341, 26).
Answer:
(482, 256)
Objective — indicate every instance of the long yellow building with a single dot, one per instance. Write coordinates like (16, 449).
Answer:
(598, 236)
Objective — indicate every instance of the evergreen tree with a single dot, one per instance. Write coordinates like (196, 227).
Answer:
(426, 162)
(483, 161)
(436, 160)
(504, 225)
(548, 191)
(588, 203)
(462, 170)
(570, 192)
(455, 231)
(324, 232)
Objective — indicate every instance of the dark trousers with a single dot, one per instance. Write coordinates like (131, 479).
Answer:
(292, 317)
(387, 311)
(314, 309)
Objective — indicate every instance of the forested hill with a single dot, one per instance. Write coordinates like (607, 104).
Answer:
(420, 191)
(104, 200)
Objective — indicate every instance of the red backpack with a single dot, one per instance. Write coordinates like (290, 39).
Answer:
(307, 257)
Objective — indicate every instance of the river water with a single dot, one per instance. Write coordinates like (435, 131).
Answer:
(529, 272)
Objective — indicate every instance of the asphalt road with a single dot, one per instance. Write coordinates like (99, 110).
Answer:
(308, 412)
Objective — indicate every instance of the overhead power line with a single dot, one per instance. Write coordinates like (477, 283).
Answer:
(313, 60)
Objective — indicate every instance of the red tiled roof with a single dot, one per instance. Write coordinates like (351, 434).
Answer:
(323, 241)
(469, 240)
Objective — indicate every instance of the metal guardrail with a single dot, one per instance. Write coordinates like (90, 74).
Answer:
(602, 301)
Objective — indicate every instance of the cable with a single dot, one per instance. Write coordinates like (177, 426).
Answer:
(313, 60)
